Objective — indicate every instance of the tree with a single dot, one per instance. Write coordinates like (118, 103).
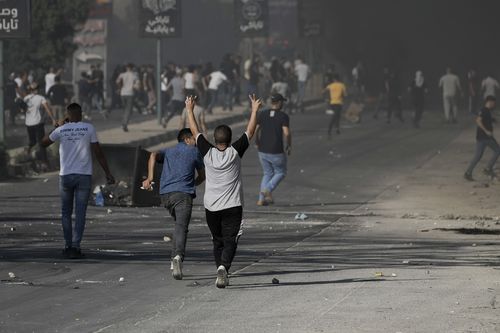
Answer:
(54, 24)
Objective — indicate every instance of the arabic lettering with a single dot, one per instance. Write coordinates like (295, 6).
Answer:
(9, 12)
(8, 25)
(252, 25)
(160, 25)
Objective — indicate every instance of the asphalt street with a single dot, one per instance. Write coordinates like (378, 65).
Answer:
(124, 284)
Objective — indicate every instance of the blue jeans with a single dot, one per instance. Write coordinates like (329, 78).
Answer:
(480, 148)
(274, 167)
(74, 188)
(212, 97)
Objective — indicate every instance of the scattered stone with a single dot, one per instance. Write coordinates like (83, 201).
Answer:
(406, 261)
(301, 216)
(394, 275)
(45, 180)
(12, 229)
(12, 275)
(44, 233)
(275, 281)
(122, 279)
(474, 244)
(109, 211)
(167, 238)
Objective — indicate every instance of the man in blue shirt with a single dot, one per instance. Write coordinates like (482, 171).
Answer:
(177, 188)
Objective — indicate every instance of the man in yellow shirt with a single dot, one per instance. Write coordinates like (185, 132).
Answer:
(337, 92)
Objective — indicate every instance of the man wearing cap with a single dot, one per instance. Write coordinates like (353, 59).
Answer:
(273, 125)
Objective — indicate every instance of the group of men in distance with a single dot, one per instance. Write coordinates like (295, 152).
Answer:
(188, 164)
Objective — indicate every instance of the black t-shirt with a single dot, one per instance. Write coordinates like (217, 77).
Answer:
(487, 121)
(57, 94)
(271, 123)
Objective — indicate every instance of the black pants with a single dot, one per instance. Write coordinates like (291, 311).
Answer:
(224, 226)
(394, 106)
(419, 110)
(35, 136)
(335, 120)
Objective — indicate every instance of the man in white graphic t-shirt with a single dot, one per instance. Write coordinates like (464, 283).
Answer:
(77, 142)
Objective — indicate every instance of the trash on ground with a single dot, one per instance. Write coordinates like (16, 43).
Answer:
(379, 274)
(12, 275)
(394, 275)
(45, 180)
(301, 216)
(109, 211)
(406, 261)
(12, 229)
(122, 279)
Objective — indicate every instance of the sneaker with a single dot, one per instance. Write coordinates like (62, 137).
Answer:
(76, 254)
(177, 267)
(489, 172)
(66, 253)
(261, 203)
(468, 177)
(268, 197)
(222, 279)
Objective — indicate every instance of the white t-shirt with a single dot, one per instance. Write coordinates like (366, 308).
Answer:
(189, 79)
(74, 150)
(490, 86)
(216, 78)
(450, 84)
(127, 79)
(301, 70)
(34, 113)
(19, 83)
(49, 81)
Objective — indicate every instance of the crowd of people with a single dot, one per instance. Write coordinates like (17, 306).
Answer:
(133, 87)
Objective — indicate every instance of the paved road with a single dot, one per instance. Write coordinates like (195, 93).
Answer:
(333, 181)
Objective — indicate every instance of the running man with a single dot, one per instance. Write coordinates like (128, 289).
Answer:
(485, 138)
(337, 93)
(77, 142)
(223, 190)
(178, 189)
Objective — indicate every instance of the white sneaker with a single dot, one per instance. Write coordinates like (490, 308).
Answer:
(222, 279)
(177, 267)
